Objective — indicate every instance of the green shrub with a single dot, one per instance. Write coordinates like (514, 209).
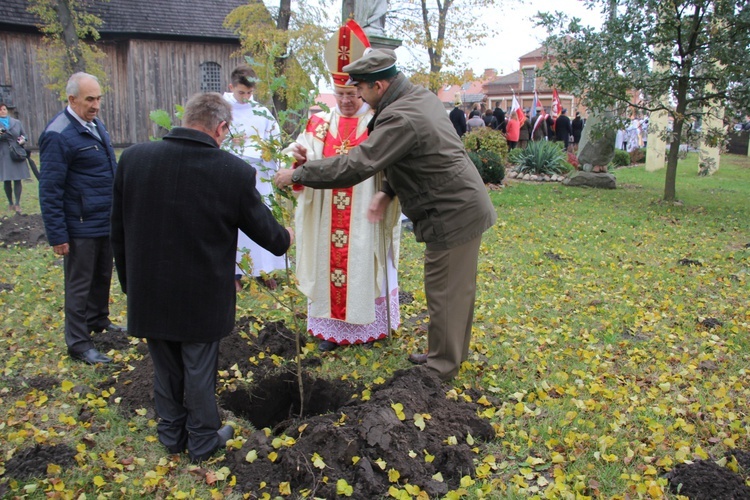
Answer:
(621, 159)
(486, 139)
(540, 157)
(489, 164)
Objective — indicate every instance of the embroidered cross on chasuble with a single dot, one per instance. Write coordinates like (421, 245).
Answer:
(339, 142)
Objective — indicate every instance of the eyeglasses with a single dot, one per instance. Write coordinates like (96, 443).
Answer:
(343, 97)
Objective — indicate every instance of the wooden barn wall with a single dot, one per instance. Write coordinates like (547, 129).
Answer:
(161, 74)
(33, 103)
(144, 75)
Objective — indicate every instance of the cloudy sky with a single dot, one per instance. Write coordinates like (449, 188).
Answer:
(515, 33)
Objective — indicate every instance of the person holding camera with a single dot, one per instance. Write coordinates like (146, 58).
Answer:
(12, 170)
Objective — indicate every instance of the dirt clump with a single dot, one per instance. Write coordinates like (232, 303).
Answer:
(22, 230)
(365, 440)
(706, 480)
(17, 385)
(32, 462)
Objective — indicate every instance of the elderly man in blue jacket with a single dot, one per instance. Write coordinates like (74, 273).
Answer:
(75, 193)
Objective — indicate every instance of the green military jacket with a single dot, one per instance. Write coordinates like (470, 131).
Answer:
(425, 165)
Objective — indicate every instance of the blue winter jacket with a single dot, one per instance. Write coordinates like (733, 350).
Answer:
(75, 182)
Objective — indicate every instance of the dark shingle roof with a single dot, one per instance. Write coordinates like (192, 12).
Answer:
(509, 79)
(13, 14)
(163, 18)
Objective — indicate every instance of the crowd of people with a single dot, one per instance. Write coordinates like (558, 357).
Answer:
(519, 132)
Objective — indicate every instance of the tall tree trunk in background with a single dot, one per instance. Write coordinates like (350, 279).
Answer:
(670, 181)
(282, 23)
(70, 35)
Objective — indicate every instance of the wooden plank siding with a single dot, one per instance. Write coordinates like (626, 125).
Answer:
(161, 74)
(144, 75)
(34, 104)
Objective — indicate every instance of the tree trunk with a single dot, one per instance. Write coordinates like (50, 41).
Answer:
(69, 35)
(670, 191)
(282, 23)
(670, 181)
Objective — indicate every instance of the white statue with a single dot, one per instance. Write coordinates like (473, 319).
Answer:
(370, 14)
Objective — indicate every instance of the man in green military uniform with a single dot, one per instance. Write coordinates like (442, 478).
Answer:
(440, 190)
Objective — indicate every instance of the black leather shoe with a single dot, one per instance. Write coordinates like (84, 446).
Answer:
(112, 328)
(326, 346)
(225, 434)
(418, 358)
(91, 357)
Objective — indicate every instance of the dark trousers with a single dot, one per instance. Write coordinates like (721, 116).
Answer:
(450, 285)
(185, 396)
(88, 274)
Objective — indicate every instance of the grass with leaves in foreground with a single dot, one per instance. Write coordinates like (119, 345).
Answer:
(588, 351)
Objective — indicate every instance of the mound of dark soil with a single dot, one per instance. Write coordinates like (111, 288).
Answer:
(106, 341)
(372, 431)
(705, 480)
(18, 385)
(22, 230)
(32, 462)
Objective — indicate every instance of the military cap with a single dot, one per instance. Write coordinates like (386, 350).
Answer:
(375, 64)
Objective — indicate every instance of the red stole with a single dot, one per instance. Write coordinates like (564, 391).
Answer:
(341, 214)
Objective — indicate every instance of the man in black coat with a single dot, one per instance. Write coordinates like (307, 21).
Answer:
(563, 128)
(458, 118)
(177, 206)
(500, 116)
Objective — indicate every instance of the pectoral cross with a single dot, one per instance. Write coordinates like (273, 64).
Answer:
(343, 148)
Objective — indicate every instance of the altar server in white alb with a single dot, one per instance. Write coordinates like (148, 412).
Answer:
(252, 122)
(346, 266)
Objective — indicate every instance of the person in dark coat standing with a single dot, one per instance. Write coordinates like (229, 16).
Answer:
(577, 128)
(563, 128)
(550, 128)
(12, 172)
(177, 206)
(499, 115)
(75, 194)
(489, 119)
(524, 133)
(539, 129)
(458, 118)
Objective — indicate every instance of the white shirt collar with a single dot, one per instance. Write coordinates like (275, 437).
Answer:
(80, 120)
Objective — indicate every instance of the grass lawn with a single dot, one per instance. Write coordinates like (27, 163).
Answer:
(590, 355)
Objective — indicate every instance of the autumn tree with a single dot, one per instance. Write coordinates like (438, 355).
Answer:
(286, 45)
(444, 29)
(688, 58)
(70, 31)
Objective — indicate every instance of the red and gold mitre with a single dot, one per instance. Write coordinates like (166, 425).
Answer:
(346, 46)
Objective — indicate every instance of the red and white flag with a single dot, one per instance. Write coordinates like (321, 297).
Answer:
(556, 105)
(516, 108)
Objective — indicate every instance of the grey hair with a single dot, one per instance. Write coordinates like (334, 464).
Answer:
(74, 83)
(207, 111)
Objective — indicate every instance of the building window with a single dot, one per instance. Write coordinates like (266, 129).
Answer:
(6, 96)
(211, 77)
(529, 77)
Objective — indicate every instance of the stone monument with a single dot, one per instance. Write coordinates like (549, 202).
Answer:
(596, 151)
(371, 15)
